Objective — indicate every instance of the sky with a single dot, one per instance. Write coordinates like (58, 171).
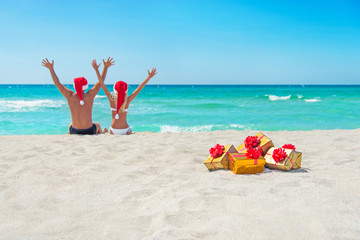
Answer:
(189, 42)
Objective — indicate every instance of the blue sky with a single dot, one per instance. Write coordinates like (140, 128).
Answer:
(190, 42)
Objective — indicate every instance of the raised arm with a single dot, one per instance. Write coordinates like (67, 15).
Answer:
(96, 88)
(142, 85)
(63, 90)
(101, 79)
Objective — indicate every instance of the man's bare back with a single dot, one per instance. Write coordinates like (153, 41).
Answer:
(81, 115)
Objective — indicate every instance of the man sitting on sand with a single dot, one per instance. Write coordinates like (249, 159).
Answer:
(80, 103)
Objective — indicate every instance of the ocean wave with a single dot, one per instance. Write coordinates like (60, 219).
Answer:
(275, 98)
(28, 105)
(300, 96)
(168, 128)
(313, 100)
(237, 126)
(201, 128)
(100, 96)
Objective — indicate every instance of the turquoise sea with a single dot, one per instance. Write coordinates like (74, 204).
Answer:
(41, 109)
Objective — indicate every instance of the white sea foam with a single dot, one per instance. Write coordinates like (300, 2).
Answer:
(167, 128)
(300, 96)
(275, 98)
(100, 96)
(203, 128)
(313, 100)
(237, 126)
(28, 105)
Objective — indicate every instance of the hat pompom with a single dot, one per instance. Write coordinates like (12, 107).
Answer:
(81, 102)
(117, 116)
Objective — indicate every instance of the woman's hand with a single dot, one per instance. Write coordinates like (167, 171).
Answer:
(95, 65)
(152, 73)
(109, 62)
(142, 85)
(45, 62)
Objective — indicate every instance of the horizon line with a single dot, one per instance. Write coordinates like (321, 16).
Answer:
(32, 84)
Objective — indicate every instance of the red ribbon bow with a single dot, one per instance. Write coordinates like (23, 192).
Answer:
(289, 146)
(252, 142)
(253, 153)
(279, 154)
(217, 150)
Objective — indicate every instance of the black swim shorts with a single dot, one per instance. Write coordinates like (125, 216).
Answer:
(89, 131)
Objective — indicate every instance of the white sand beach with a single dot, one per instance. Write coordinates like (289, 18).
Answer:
(155, 186)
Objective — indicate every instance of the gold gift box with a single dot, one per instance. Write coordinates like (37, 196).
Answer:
(298, 157)
(240, 164)
(286, 165)
(222, 161)
(265, 144)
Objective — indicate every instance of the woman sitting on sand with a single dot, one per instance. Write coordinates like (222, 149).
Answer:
(119, 101)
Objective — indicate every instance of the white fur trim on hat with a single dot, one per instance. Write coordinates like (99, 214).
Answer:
(83, 88)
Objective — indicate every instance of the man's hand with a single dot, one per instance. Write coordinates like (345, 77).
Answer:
(63, 90)
(95, 65)
(152, 73)
(109, 62)
(45, 62)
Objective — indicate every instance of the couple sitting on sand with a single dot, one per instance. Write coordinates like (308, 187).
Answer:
(81, 111)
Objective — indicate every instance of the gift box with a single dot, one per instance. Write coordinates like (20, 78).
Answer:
(280, 158)
(298, 155)
(219, 157)
(240, 163)
(259, 141)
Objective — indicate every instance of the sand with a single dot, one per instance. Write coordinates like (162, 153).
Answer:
(155, 186)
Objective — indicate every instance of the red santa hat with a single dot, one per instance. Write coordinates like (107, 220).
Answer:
(121, 88)
(80, 84)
